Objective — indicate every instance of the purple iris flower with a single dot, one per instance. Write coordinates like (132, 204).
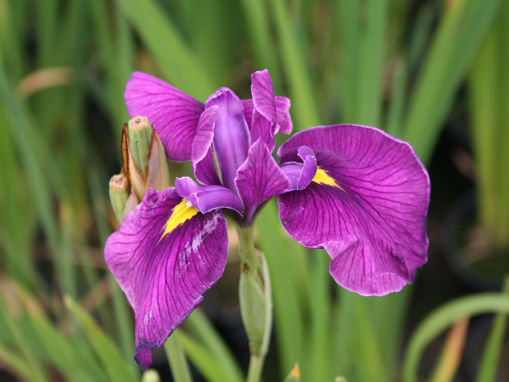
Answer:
(355, 191)
(173, 246)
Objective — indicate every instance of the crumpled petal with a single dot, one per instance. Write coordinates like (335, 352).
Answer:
(258, 179)
(372, 219)
(164, 276)
(207, 198)
(202, 158)
(173, 113)
(231, 135)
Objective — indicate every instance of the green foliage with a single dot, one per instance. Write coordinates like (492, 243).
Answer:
(493, 346)
(489, 92)
(177, 359)
(106, 351)
(443, 317)
(343, 61)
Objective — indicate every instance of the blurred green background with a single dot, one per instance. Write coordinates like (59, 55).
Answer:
(431, 72)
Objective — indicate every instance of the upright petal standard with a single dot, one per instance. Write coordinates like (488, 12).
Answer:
(366, 204)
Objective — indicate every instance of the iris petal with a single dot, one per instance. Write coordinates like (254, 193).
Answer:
(284, 121)
(265, 113)
(173, 113)
(263, 95)
(264, 118)
(231, 135)
(258, 179)
(207, 198)
(202, 158)
(372, 222)
(301, 174)
(165, 275)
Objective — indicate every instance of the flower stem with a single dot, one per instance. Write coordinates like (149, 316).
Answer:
(255, 301)
(247, 249)
(255, 368)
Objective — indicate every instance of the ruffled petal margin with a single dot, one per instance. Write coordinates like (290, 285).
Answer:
(367, 210)
(173, 113)
(164, 274)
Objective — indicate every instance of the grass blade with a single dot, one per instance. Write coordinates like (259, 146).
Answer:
(295, 65)
(115, 366)
(484, 82)
(65, 354)
(390, 312)
(177, 359)
(348, 14)
(368, 358)
(120, 307)
(212, 341)
(489, 89)
(22, 130)
(460, 31)
(371, 64)
(16, 212)
(255, 13)
(451, 352)
(393, 124)
(32, 362)
(176, 61)
(342, 337)
(443, 317)
(493, 346)
(17, 364)
(205, 361)
(316, 366)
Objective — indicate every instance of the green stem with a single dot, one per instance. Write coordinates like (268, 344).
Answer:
(247, 250)
(255, 301)
(177, 359)
(255, 368)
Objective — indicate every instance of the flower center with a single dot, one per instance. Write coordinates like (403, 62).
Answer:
(182, 212)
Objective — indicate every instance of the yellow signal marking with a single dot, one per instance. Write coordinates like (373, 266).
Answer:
(321, 177)
(182, 212)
